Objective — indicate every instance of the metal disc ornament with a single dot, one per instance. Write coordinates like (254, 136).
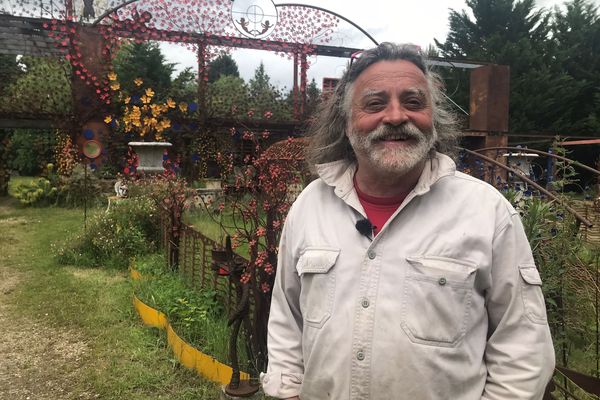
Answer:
(254, 18)
(92, 149)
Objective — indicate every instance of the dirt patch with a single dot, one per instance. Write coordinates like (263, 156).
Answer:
(36, 361)
(13, 221)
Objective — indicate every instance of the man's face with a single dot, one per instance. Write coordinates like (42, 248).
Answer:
(391, 127)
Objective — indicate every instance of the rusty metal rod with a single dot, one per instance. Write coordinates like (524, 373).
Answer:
(545, 153)
(532, 183)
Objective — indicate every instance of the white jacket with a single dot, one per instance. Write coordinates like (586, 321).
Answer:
(444, 303)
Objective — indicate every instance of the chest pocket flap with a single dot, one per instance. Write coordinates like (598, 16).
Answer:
(317, 275)
(317, 260)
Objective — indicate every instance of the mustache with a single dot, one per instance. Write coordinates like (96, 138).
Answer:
(407, 130)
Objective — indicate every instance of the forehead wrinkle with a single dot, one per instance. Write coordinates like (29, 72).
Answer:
(372, 92)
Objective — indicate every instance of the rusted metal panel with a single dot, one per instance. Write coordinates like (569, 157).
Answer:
(489, 96)
(576, 142)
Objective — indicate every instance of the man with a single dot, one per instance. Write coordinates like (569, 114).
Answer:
(399, 277)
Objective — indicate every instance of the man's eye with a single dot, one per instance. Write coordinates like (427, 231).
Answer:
(415, 103)
(374, 104)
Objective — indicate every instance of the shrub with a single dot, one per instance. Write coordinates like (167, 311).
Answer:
(129, 229)
(37, 192)
(31, 150)
(76, 189)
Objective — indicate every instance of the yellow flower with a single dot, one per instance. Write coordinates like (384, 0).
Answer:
(183, 107)
(112, 76)
(156, 110)
(108, 119)
(170, 103)
(149, 92)
(138, 81)
(127, 100)
(145, 99)
(115, 86)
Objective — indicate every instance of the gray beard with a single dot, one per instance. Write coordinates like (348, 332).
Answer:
(393, 161)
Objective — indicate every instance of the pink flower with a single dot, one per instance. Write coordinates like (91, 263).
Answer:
(265, 287)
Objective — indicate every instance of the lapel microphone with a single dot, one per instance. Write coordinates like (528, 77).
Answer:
(365, 228)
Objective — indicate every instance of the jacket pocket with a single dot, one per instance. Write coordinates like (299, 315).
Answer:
(318, 284)
(531, 293)
(437, 299)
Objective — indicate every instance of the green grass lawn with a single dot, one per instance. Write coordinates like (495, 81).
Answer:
(125, 360)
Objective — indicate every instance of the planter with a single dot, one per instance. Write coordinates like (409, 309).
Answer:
(150, 156)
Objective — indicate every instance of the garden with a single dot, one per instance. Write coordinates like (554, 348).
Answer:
(139, 224)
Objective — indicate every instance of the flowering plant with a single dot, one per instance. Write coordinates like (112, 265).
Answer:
(141, 113)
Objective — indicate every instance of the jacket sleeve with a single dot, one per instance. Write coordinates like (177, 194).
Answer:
(285, 370)
(519, 354)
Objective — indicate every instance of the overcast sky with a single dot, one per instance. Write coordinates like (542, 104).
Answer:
(410, 21)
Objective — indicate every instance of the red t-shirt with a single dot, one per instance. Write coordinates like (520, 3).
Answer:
(378, 209)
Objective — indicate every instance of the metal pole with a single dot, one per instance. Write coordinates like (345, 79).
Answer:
(85, 193)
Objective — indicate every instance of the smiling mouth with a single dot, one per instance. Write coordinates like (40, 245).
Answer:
(395, 138)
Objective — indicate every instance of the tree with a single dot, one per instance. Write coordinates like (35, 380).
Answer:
(185, 86)
(313, 98)
(146, 61)
(576, 33)
(42, 86)
(265, 98)
(9, 70)
(513, 33)
(227, 96)
(223, 65)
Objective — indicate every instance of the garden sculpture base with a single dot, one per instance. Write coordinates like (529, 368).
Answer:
(246, 390)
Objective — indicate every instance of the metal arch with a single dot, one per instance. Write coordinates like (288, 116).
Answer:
(332, 13)
(112, 10)
(579, 217)
(543, 153)
(126, 3)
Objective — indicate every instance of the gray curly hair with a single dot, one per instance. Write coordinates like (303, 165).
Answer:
(327, 132)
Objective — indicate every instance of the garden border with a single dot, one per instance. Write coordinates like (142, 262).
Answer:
(187, 355)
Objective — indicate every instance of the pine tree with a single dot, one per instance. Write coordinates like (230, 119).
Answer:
(577, 37)
(506, 32)
(223, 65)
(146, 61)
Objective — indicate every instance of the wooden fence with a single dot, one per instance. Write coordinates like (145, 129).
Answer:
(194, 261)
(591, 211)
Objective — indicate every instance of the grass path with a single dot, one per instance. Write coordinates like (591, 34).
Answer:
(72, 333)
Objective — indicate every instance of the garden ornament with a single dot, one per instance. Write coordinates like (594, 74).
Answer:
(397, 275)
(121, 188)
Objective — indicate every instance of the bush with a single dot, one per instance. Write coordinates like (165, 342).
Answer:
(31, 150)
(129, 229)
(37, 192)
(74, 191)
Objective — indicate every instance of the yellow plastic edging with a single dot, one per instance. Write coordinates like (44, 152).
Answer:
(188, 356)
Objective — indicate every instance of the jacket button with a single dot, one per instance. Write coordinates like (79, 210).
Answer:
(360, 356)
(371, 254)
(442, 281)
(365, 303)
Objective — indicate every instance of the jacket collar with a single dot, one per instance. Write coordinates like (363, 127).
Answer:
(339, 174)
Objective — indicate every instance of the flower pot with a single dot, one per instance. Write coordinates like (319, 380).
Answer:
(150, 156)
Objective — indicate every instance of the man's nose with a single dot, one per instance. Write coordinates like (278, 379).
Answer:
(395, 114)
